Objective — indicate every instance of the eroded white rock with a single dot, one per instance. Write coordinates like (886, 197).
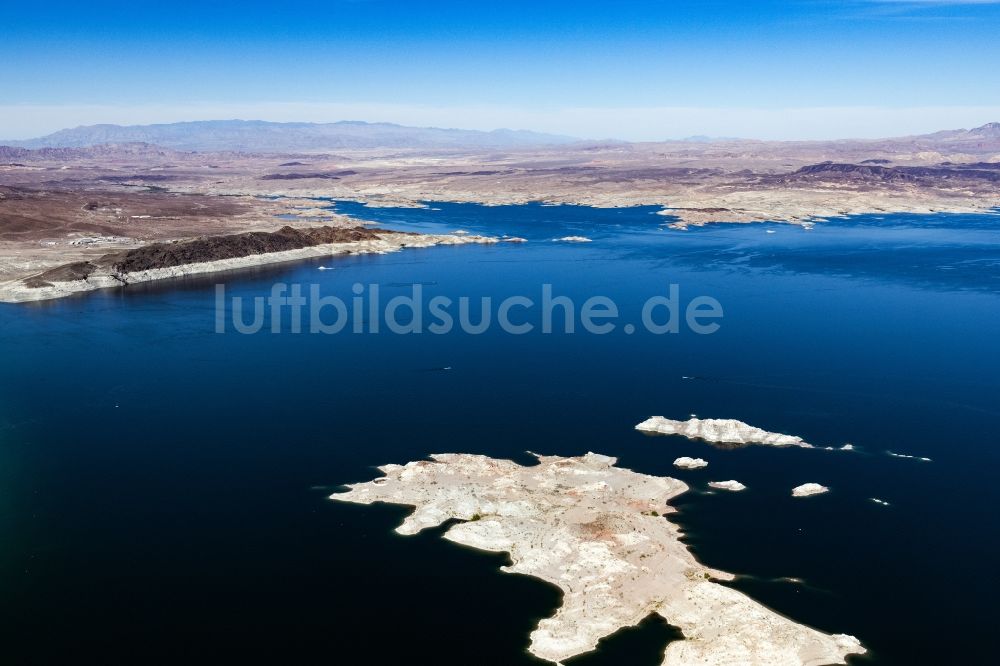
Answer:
(685, 462)
(734, 486)
(719, 431)
(573, 239)
(591, 529)
(807, 489)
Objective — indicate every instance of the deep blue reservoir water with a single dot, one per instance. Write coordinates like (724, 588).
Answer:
(163, 487)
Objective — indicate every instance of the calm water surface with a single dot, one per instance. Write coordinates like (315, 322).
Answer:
(163, 487)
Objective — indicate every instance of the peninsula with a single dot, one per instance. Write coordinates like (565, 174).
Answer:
(598, 533)
(81, 193)
(158, 261)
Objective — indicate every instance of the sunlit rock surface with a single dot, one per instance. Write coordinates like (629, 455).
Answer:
(734, 486)
(807, 489)
(597, 532)
(685, 462)
(719, 431)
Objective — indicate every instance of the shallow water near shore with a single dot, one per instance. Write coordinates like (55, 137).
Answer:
(163, 488)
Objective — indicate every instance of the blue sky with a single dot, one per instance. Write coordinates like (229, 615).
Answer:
(635, 69)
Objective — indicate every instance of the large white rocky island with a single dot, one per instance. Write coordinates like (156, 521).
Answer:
(597, 532)
(725, 432)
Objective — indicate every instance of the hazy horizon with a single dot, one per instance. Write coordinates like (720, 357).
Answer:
(637, 71)
(932, 120)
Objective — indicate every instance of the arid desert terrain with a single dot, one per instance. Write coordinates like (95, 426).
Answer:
(60, 205)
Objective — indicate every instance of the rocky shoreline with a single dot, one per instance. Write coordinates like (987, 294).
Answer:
(159, 261)
(726, 433)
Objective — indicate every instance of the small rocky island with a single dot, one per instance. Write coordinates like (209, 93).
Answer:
(807, 489)
(686, 462)
(597, 532)
(731, 485)
(725, 432)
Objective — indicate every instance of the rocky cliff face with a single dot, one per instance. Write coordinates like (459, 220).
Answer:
(213, 248)
(200, 250)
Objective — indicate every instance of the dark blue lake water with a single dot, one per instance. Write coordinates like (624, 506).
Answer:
(163, 488)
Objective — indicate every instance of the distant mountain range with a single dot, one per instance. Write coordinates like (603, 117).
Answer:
(260, 136)
(257, 136)
(983, 140)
